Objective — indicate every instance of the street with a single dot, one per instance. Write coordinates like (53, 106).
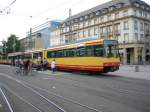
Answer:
(44, 91)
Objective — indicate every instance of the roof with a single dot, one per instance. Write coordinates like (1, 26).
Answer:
(75, 45)
(106, 6)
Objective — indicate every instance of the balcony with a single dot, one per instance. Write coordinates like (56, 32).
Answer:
(117, 32)
(103, 34)
(109, 33)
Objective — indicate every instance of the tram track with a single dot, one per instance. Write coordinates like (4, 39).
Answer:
(62, 97)
(115, 87)
(108, 91)
(39, 91)
(126, 84)
(6, 100)
(47, 104)
(21, 98)
(101, 92)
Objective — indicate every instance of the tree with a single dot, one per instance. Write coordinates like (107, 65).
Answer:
(12, 44)
(4, 52)
(4, 47)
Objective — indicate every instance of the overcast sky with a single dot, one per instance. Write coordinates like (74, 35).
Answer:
(25, 14)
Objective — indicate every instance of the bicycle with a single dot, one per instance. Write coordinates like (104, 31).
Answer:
(19, 70)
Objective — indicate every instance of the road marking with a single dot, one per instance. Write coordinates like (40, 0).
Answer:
(9, 106)
(54, 87)
(48, 73)
(24, 83)
(47, 78)
(11, 91)
(36, 92)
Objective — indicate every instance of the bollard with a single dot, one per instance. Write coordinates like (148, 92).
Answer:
(136, 68)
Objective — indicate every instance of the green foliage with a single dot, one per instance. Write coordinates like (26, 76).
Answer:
(11, 45)
(4, 47)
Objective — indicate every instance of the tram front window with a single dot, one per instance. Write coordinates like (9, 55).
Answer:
(111, 51)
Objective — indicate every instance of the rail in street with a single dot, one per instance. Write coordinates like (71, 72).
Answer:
(74, 92)
(60, 109)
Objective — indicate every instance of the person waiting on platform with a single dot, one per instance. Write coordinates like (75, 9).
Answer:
(53, 65)
(45, 64)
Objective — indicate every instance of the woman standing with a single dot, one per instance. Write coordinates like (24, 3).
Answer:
(53, 65)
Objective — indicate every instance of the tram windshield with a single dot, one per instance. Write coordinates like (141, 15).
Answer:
(111, 49)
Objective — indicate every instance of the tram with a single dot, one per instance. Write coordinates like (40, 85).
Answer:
(93, 56)
(96, 55)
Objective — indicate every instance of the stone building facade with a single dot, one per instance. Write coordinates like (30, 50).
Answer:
(127, 21)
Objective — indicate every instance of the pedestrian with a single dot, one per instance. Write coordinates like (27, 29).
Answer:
(26, 66)
(21, 64)
(45, 64)
(30, 67)
(13, 62)
(53, 65)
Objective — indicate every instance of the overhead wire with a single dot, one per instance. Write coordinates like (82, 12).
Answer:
(58, 6)
(7, 9)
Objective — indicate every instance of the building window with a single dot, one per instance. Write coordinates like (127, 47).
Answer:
(141, 26)
(136, 4)
(140, 13)
(116, 28)
(142, 6)
(89, 23)
(148, 16)
(126, 25)
(86, 23)
(89, 32)
(142, 35)
(146, 28)
(117, 15)
(126, 37)
(125, 13)
(102, 19)
(136, 36)
(145, 15)
(135, 12)
(80, 25)
(109, 17)
(95, 21)
(84, 33)
(135, 25)
(109, 29)
(96, 31)
(79, 35)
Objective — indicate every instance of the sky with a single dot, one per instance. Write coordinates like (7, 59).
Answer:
(25, 14)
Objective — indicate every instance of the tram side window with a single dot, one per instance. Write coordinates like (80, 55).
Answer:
(81, 51)
(98, 50)
(53, 54)
(72, 52)
(40, 55)
(66, 53)
(59, 53)
(35, 55)
(50, 54)
(69, 53)
(89, 50)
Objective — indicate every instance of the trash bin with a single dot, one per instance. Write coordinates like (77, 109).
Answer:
(136, 68)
